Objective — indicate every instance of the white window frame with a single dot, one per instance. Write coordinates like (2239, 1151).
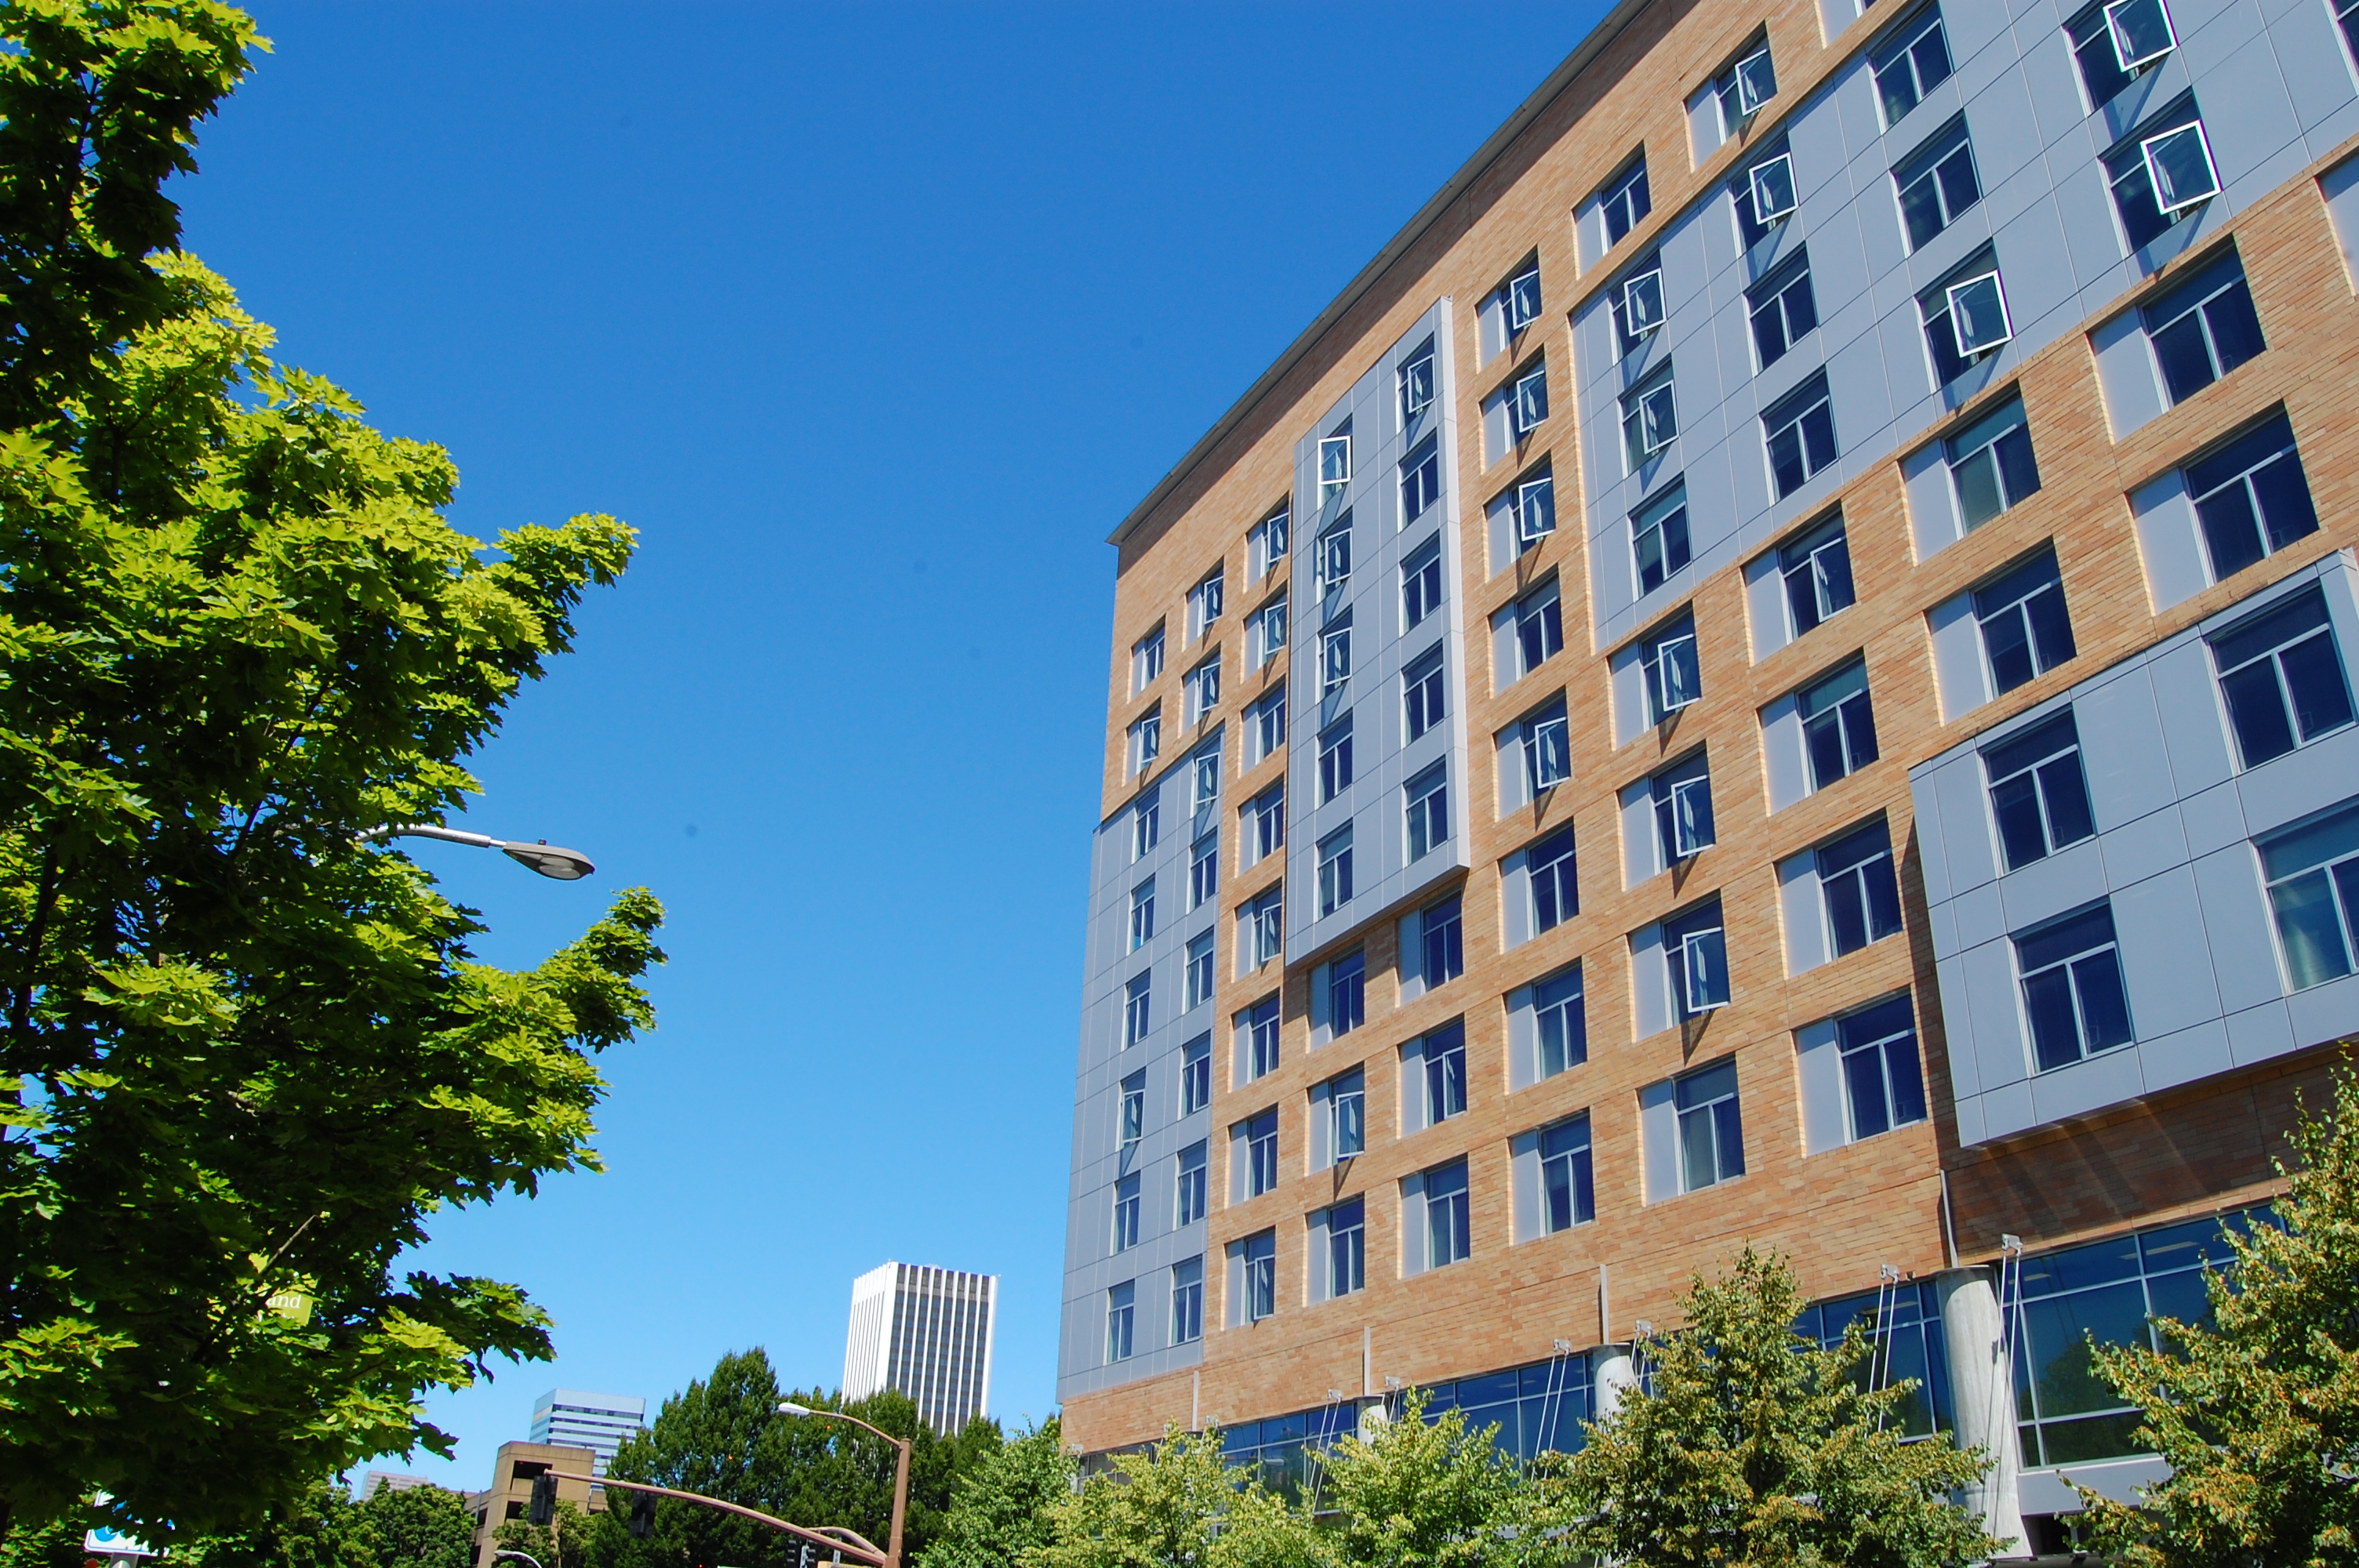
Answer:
(1643, 412)
(1528, 407)
(1334, 658)
(1200, 973)
(1521, 298)
(1334, 465)
(1141, 915)
(1548, 748)
(1409, 384)
(1535, 495)
(1650, 662)
(2154, 170)
(1763, 217)
(1632, 326)
(1951, 297)
(1145, 661)
(1749, 98)
(2122, 45)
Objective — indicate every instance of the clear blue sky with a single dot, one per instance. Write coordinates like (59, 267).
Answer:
(874, 321)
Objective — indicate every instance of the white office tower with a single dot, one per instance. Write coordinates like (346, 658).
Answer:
(599, 1422)
(925, 1332)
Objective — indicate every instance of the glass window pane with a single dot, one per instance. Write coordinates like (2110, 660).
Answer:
(2067, 797)
(2232, 534)
(2314, 681)
(1863, 1074)
(2048, 1002)
(2285, 501)
(2104, 1009)
(2257, 712)
(2312, 936)
(2064, 1377)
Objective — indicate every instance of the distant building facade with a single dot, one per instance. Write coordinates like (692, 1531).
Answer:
(925, 1332)
(596, 1422)
(514, 1470)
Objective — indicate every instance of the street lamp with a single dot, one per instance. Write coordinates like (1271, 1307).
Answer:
(507, 1551)
(900, 1478)
(548, 859)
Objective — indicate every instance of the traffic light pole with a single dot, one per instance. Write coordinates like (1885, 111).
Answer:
(834, 1537)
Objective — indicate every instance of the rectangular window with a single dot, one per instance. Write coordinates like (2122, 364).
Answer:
(1659, 539)
(1145, 822)
(2203, 329)
(1445, 944)
(1625, 202)
(1121, 1306)
(1674, 676)
(2281, 677)
(1568, 1192)
(1937, 183)
(1200, 971)
(2313, 877)
(1782, 307)
(1261, 1153)
(1711, 1134)
(1333, 560)
(1335, 655)
(1205, 603)
(1347, 993)
(1125, 1212)
(2026, 631)
(1188, 1301)
(1765, 198)
(2346, 13)
(1745, 87)
(1838, 725)
(1265, 927)
(1446, 1236)
(1190, 1201)
(1261, 1041)
(1334, 871)
(1650, 418)
(1266, 824)
(1695, 945)
(1416, 384)
(1427, 798)
(1799, 433)
(1560, 1023)
(1334, 464)
(2038, 796)
(1965, 317)
(1266, 543)
(1145, 660)
(1991, 464)
(1817, 572)
(1204, 768)
(1203, 688)
(1204, 869)
(1421, 692)
(1682, 797)
(1137, 1008)
(1347, 1113)
(1528, 405)
(2072, 992)
(2161, 173)
(1882, 1082)
(1269, 724)
(1909, 64)
(1266, 632)
(1133, 1126)
(1142, 913)
(1548, 748)
(1637, 305)
(2111, 53)
(2251, 497)
(1535, 510)
(1335, 759)
(1421, 583)
(1521, 296)
(1857, 889)
(1196, 1075)
(1445, 1073)
(1539, 629)
(1556, 892)
(1256, 1276)
(1420, 481)
(1347, 1248)
(1146, 742)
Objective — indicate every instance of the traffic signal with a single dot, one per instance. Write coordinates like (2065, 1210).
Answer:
(643, 1515)
(544, 1500)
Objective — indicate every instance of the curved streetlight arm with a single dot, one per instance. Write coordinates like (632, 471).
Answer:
(512, 1552)
(900, 1475)
(858, 1545)
(549, 859)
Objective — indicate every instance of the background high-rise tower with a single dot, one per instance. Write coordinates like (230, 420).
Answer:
(596, 1422)
(925, 1332)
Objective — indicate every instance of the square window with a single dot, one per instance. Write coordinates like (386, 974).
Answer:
(1421, 583)
(1712, 1132)
(1420, 481)
(1190, 1199)
(1556, 892)
(1347, 1248)
(1421, 692)
(1772, 185)
(1650, 418)
(1444, 944)
(1535, 508)
(1334, 558)
(1200, 971)
(1334, 465)
(1560, 1028)
(1673, 676)
(1261, 1039)
(2313, 880)
(1335, 759)
(1416, 384)
(1682, 800)
(1447, 1240)
(1838, 725)
(2281, 677)
(1196, 1075)
(2158, 175)
(1782, 308)
(1567, 1191)
(1857, 890)
(2141, 31)
(1639, 307)
(1347, 993)
(1944, 325)
(1696, 946)
(1528, 405)
(1816, 570)
(1911, 63)
(1884, 1084)
(1991, 464)
(2179, 164)
(1121, 1304)
(2039, 795)
(1548, 748)
(1429, 811)
(1659, 539)
(1334, 871)
(1978, 315)
(2072, 993)
(1756, 79)
(1799, 432)
(1625, 202)
(1937, 183)
(2203, 329)
(1188, 1301)
(1523, 298)
(2025, 631)
(2251, 497)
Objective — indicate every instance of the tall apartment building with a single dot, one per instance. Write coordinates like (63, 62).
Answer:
(596, 1422)
(1825, 597)
(925, 1332)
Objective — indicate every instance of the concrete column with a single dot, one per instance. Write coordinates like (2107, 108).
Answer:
(1612, 1374)
(1981, 1385)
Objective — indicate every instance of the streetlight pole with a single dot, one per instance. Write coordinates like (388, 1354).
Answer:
(900, 1478)
(548, 859)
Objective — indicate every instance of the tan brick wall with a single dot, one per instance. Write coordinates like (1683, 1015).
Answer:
(1839, 1215)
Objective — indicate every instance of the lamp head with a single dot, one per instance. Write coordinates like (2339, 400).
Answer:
(788, 1407)
(549, 860)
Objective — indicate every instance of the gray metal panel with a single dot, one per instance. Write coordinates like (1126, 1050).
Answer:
(2165, 957)
(1817, 1066)
(1658, 1130)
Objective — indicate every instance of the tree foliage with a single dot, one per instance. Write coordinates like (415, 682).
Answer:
(1758, 1447)
(1178, 1504)
(1420, 1494)
(724, 1437)
(323, 1526)
(2258, 1412)
(1000, 1512)
(241, 1055)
